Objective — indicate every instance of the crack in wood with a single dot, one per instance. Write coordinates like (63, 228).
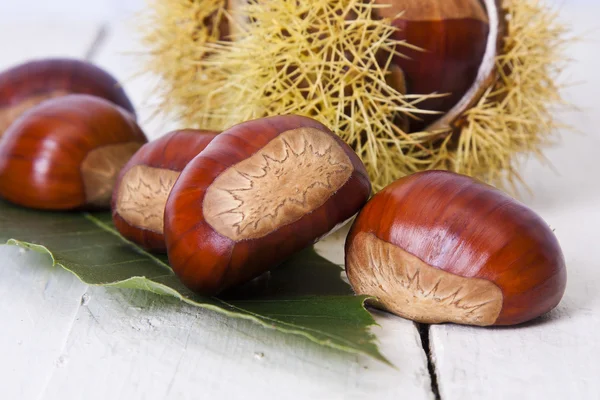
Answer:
(425, 333)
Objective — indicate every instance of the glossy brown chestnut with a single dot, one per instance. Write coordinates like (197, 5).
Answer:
(66, 153)
(28, 84)
(452, 36)
(260, 192)
(142, 188)
(440, 247)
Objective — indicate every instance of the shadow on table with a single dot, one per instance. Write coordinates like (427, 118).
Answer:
(306, 274)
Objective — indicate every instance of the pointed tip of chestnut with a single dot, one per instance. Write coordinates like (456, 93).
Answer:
(260, 192)
(65, 153)
(145, 182)
(440, 247)
(28, 84)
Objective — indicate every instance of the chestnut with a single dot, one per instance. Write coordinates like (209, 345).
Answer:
(66, 153)
(28, 84)
(143, 185)
(440, 247)
(456, 44)
(260, 192)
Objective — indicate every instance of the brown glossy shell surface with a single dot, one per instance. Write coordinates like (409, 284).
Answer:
(457, 225)
(9, 113)
(31, 83)
(307, 182)
(451, 36)
(145, 183)
(66, 153)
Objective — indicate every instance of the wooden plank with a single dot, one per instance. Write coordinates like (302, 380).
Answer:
(555, 357)
(38, 307)
(131, 344)
(39, 302)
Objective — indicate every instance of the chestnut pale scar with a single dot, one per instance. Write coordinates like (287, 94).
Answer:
(407, 286)
(293, 175)
(142, 196)
(8, 114)
(100, 168)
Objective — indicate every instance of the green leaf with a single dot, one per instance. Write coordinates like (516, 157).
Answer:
(305, 296)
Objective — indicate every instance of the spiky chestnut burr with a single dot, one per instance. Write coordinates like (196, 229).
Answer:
(216, 85)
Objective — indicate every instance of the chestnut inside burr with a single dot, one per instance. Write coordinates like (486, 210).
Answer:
(100, 168)
(291, 176)
(410, 288)
(417, 10)
(142, 196)
(10, 113)
(487, 69)
(442, 31)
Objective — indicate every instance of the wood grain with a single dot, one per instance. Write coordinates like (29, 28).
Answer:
(133, 344)
(209, 262)
(38, 308)
(159, 348)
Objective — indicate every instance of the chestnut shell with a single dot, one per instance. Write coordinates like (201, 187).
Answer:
(172, 152)
(43, 154)
(39, 78)
(451, 49)
(209, 261)
(456, 224)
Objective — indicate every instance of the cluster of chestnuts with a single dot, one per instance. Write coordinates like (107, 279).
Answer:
(67, 129)
(226, 207)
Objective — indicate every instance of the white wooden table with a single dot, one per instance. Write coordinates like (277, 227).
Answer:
(61, 339)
